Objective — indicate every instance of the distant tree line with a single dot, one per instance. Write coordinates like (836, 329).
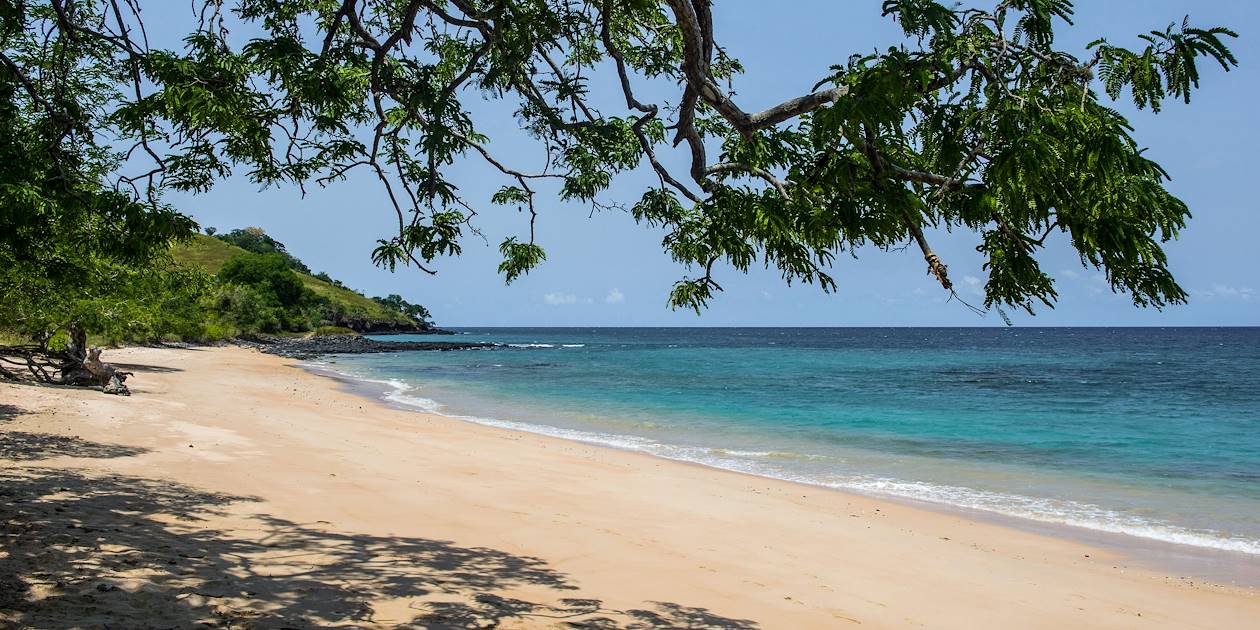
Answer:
(397, 303)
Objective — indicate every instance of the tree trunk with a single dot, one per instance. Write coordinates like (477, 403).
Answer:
(83, 366)
(73, 371)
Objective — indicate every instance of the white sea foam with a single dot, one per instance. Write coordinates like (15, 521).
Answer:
(401, 396)
(739, 453)
(1057, 511)
(767, 464)
(572, 345)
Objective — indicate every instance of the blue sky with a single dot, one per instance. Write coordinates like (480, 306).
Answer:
(603, 269)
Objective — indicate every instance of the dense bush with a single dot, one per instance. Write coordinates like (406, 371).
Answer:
(248, 309)
(260, 293)
(269, 271)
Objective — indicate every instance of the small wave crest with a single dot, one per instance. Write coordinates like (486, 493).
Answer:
(767, 455)
(398, 392)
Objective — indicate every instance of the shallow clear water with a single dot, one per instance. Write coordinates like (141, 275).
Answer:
(1148, 432)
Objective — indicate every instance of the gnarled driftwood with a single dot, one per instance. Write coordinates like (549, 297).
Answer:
(76, 365)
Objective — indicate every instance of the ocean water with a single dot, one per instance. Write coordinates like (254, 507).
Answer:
(1148, 432)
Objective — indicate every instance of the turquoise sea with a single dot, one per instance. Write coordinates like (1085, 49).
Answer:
(1149, 432)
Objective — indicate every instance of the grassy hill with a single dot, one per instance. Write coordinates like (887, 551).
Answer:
(205, 252)
(209, 254)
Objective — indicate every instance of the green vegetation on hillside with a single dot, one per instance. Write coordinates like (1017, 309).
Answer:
(260, 292)
(209, 254)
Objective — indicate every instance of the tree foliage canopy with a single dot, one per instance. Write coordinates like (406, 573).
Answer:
(975, 122)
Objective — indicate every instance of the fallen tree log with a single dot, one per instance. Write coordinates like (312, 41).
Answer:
(91, 371)
(77, 365)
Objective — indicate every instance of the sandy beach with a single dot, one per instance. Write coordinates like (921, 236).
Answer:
(237, 489)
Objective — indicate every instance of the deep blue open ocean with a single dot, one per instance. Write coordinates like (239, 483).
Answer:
(1143, 431)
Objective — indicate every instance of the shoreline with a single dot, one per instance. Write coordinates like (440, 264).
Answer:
(1225, 567)
(326, 507)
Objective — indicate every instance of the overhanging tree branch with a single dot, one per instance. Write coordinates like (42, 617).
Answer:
(697, 46)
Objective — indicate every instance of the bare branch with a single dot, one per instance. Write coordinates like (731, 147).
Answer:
(935, 266)
(697, 46)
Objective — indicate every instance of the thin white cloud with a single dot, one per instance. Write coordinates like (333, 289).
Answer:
(560, 299)
(973, 285)
(615, 297)
(1226, 292)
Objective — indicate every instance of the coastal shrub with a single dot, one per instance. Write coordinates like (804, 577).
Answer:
(218, 330)
(268, 271)
(248, 309)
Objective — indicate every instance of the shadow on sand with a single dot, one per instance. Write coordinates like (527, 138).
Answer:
(20, 446)
(141, 368)
(8, 412)
(96, 550)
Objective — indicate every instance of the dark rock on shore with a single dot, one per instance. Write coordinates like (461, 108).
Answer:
(310, 347)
